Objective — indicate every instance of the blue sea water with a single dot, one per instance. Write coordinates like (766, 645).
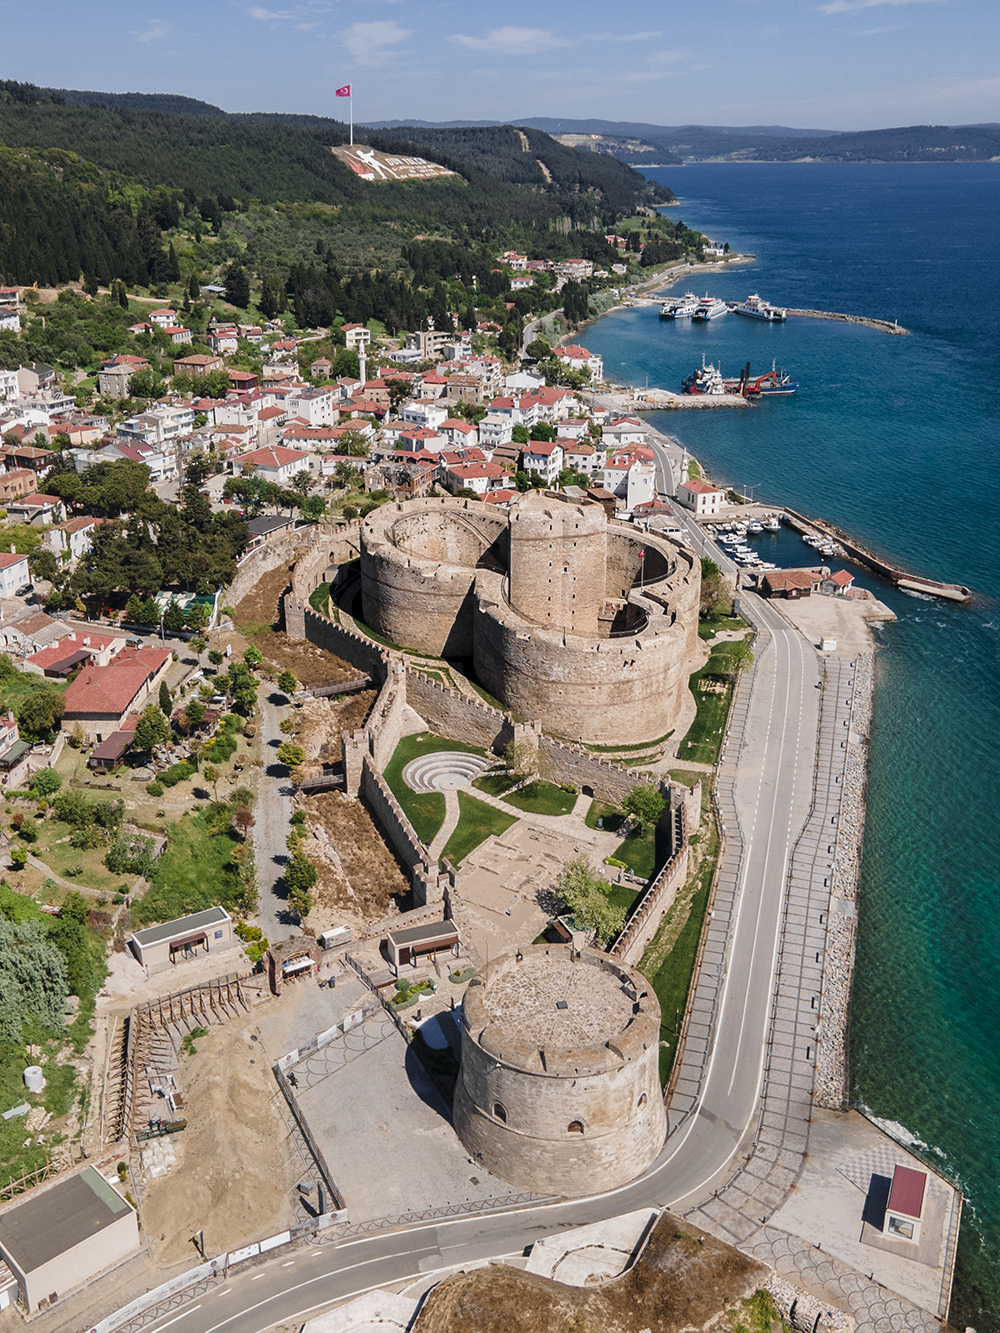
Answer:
(896, 440)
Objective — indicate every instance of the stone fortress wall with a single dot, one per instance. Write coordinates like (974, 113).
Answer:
(589, 625)
(559, 1088)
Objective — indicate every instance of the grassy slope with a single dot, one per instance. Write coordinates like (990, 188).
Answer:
(478, 822)
(192, 873)
(425, 810)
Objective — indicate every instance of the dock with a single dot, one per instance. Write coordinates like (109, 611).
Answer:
(891, 326)
(658, 400)
(949, 592)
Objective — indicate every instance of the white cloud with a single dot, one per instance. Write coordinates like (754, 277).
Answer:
(852, 6)
(266, 15)
(157, 28)
(372, 43)
(513, 41)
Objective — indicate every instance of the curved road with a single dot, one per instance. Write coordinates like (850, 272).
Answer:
(773, 791)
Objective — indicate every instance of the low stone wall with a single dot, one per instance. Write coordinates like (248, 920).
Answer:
(389, 816)
(570, 764)
(386, 723)
(658, 899)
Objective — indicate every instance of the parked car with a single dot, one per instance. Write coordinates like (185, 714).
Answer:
(23, 591)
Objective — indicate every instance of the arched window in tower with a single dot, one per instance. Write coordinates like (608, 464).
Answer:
(575, 1127)
(500, 1112)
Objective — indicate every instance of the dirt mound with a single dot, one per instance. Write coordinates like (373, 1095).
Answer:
(374, 881)
(234, 1175)
(323, 720)
(260, 608)
(684, 1280)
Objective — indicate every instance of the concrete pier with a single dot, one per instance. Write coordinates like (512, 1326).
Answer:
(883, 325)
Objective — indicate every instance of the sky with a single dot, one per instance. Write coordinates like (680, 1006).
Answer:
(819, 64)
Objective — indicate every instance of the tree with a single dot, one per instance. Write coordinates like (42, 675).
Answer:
(39, 713)
(18, 858)
(645, 804)
(290, 754)
(253, 656)
(302, 482)
(44, 565)
(151, 730)
(585, 893)
(519, 760)
(520, 434)
(714, 589)
(166, 705)
(287, 682)
(538, 349)
(131, 854)
(211, 774)
(46, 783)
(243, 819)
(32, 979)
(145, 383)
(300, 876)
(237, 286)
(216, 657)
(195, 711)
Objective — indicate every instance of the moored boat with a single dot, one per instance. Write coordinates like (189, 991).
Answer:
(709, 307)
(679, 307)
(755, 307)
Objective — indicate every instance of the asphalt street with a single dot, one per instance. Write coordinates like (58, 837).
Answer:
(773, 787)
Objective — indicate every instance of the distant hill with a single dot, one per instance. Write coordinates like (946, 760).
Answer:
(169, 103)
(911, 143)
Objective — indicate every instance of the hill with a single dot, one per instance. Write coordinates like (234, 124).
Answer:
(912, 143)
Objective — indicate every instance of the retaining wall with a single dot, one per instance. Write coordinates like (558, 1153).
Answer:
(302, 622)
(645, 921)
(283, 549)
(454, 715)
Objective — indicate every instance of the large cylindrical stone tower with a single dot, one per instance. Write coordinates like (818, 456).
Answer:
(558, 554)
(559, 1089)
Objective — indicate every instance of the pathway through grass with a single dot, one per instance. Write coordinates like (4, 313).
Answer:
(424, 810)
(477, 823)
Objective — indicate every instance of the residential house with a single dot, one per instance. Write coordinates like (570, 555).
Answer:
(701, 497)
(572, 428)
(630, 475)
(9, 387)
(321, 368)
(521, 281)
(792, 583)
(160, 425)
(624, 431)
(424, 412)
(74, 537)
(837, 585)
(458, 433)
(251, 333)
(521, 413)
(10, 320)
(583, 456)
(223, 338)
(113, 377)
(35, 378)
(178, 334)
(495, 429)
(316, 406)
(575, 357)
(101, 698)
(418, 439)
(544, 458)
(21, 481)
(13, 572)
(277, 463)
(198, 366)
(242, 380)
(356, 336)
(8, 298)
(60, 659)
(478, 477)
(37, 510)
(27, 457)
(161, 459)
(163, 319)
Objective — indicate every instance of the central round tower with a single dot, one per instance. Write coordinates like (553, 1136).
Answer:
(559, 1088)
(558, 557)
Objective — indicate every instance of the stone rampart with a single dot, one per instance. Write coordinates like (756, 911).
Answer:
(389, 816)
(283, 549)
(608, 781)
(454, 715)
(346, 643)
(656, 902)
(387, 724)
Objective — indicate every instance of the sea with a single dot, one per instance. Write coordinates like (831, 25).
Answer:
(896, 440)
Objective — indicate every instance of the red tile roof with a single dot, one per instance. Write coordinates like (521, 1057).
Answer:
(907, 1193)
(700, 487)
(110, 690)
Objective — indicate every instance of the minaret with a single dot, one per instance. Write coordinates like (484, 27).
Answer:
(362, 364)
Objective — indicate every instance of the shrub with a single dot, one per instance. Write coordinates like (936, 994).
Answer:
(176, 773)
(29, 830)
(18, 858)
(155, 788)
(299, 817)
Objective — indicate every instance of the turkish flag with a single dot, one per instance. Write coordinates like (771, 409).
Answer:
(345, 91)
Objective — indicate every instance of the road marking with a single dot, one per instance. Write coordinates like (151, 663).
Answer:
(181, 1316)
(288, 1263)
(257, 1277)
(225, 1292)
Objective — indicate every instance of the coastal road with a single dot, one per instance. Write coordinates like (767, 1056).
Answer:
(773, 761)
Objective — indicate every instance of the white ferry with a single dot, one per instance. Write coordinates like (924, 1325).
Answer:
(709, 307)
(679, 307)
(755, 307)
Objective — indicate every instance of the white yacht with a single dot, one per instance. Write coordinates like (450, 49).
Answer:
(771, 523)
(755, 307)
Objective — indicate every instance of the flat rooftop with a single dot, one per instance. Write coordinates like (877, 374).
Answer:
(556, 1004)
(184, 925)
(54, 1221)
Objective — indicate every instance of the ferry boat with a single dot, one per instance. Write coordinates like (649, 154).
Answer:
(755, 307)
(709, 307)
(679, 307)
(705, 380)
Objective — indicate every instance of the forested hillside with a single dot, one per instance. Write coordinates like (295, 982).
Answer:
(92, 186)
(913, 143)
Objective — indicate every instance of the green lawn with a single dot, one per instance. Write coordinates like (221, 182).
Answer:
(668, 963)
(319, 599)
(620, 895)
(542, 798)
(712, 625)
(61, 858)
(193, 872)
(478, 822)
(626, 749)
(644, 852)
(703, 741)
(610, 815)
(424, 810)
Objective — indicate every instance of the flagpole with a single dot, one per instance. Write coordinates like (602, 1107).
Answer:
(350, 107)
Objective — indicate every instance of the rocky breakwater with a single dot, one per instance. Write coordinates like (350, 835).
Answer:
(832, 1083)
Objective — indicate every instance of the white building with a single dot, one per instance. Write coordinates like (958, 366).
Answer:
(13, 573)
(495, 430)
(575, 357)
(545, 459)
(424, 412)
(317, 406)
(698, 495)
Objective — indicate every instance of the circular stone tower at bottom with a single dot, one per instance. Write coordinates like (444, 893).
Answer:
(559, 1089)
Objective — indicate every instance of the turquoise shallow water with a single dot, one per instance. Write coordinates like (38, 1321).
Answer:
(896, 440)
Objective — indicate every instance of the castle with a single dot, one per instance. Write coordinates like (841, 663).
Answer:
(584, 623)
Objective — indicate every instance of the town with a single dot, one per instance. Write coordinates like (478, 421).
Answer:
(388, 762)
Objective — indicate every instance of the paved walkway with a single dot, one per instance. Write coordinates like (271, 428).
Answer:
(452, 814)
(270, 832)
